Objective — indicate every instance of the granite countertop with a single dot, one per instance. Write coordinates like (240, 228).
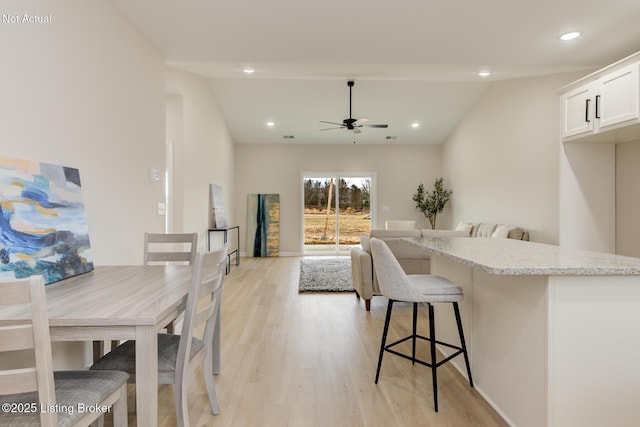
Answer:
(515, 257)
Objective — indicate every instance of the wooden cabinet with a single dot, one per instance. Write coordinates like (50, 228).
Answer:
(609, 102)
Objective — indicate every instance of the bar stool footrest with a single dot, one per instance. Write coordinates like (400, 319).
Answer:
(388, 348)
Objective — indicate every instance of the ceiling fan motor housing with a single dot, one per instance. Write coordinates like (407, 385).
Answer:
(349, 123)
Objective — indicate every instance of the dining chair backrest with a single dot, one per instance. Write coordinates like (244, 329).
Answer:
(207, 277)
(33, 335)
(154, 242)
(392, 279)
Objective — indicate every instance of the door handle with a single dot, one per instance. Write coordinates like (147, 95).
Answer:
(597, 106)
(586, 110)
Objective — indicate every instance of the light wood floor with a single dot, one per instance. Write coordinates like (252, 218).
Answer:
(291, 359)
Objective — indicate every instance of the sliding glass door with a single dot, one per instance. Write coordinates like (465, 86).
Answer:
(336, 209)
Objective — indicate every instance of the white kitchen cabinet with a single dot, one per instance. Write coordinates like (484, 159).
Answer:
(617, 97)
(609, 102)
(577, 111)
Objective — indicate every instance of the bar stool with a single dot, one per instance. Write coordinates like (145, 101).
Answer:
(396, 285)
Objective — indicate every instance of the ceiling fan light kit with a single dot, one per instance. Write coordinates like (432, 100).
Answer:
(350, 123)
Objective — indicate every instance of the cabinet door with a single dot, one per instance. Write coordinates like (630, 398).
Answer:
(577, 111)
(617, 97)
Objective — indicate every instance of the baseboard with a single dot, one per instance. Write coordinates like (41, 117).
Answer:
(287, 254)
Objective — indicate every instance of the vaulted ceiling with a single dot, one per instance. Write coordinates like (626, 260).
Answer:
(413, 61)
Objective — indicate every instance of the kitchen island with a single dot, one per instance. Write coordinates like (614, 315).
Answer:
(553, 333)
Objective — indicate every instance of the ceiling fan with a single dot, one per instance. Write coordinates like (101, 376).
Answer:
(351, 123)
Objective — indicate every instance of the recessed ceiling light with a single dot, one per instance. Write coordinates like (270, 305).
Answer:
(570, 36)
(270, 124)
(484, 73)
(415, 125)
(248, 70)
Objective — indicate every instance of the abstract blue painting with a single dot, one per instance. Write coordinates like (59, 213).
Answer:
(263, 225)
(43, 226)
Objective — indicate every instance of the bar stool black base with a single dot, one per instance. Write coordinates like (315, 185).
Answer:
(462, 349)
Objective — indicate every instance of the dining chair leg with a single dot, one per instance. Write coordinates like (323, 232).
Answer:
(120, 409)
(434, 364)
(384, 337)
(180, 397)
(463, 345)
(415, 333)
(207, 371)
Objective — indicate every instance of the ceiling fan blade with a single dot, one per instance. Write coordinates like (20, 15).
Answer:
(360, 121)
(356, 130)
(341, 127)
(332, 123)
(377, 126)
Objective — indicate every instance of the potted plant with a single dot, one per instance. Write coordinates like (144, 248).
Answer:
(432, 203)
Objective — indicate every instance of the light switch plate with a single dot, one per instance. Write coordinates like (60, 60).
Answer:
(154, 174)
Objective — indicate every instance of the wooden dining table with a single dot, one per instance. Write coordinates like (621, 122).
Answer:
(120, 303)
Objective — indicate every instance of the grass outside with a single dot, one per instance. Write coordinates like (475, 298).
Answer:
(352, 224)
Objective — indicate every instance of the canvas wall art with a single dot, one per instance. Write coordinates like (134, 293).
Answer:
(263, 225)
(43, 226)
(217, 213)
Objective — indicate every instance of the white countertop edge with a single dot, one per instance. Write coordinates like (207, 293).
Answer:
(548, 259)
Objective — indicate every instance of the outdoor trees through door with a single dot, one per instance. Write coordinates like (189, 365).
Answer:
(329, 230)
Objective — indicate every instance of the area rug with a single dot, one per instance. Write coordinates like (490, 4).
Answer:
(330, 274)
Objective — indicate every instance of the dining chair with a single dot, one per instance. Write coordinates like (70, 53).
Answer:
(36, 395)
(177, 353)
(427, 289)
(161, 248)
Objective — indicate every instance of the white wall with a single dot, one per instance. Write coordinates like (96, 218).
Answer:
(203, 150)
(628, 199)
(87, 91)
(503, 159)
(276, 168)
(588, 196)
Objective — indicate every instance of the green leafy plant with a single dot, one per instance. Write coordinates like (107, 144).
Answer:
(432, 203)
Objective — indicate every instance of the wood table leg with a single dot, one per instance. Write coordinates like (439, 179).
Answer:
(146, 376)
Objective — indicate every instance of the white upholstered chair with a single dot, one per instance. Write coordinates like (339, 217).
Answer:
(400, 224)
(177, 353)
(62, 394)
(396, 285)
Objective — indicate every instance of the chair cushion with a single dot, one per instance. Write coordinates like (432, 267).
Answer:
(74, 390)
(429, 288)
(465, 227)
(485, 230)
(123, 357)
(502, 231)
